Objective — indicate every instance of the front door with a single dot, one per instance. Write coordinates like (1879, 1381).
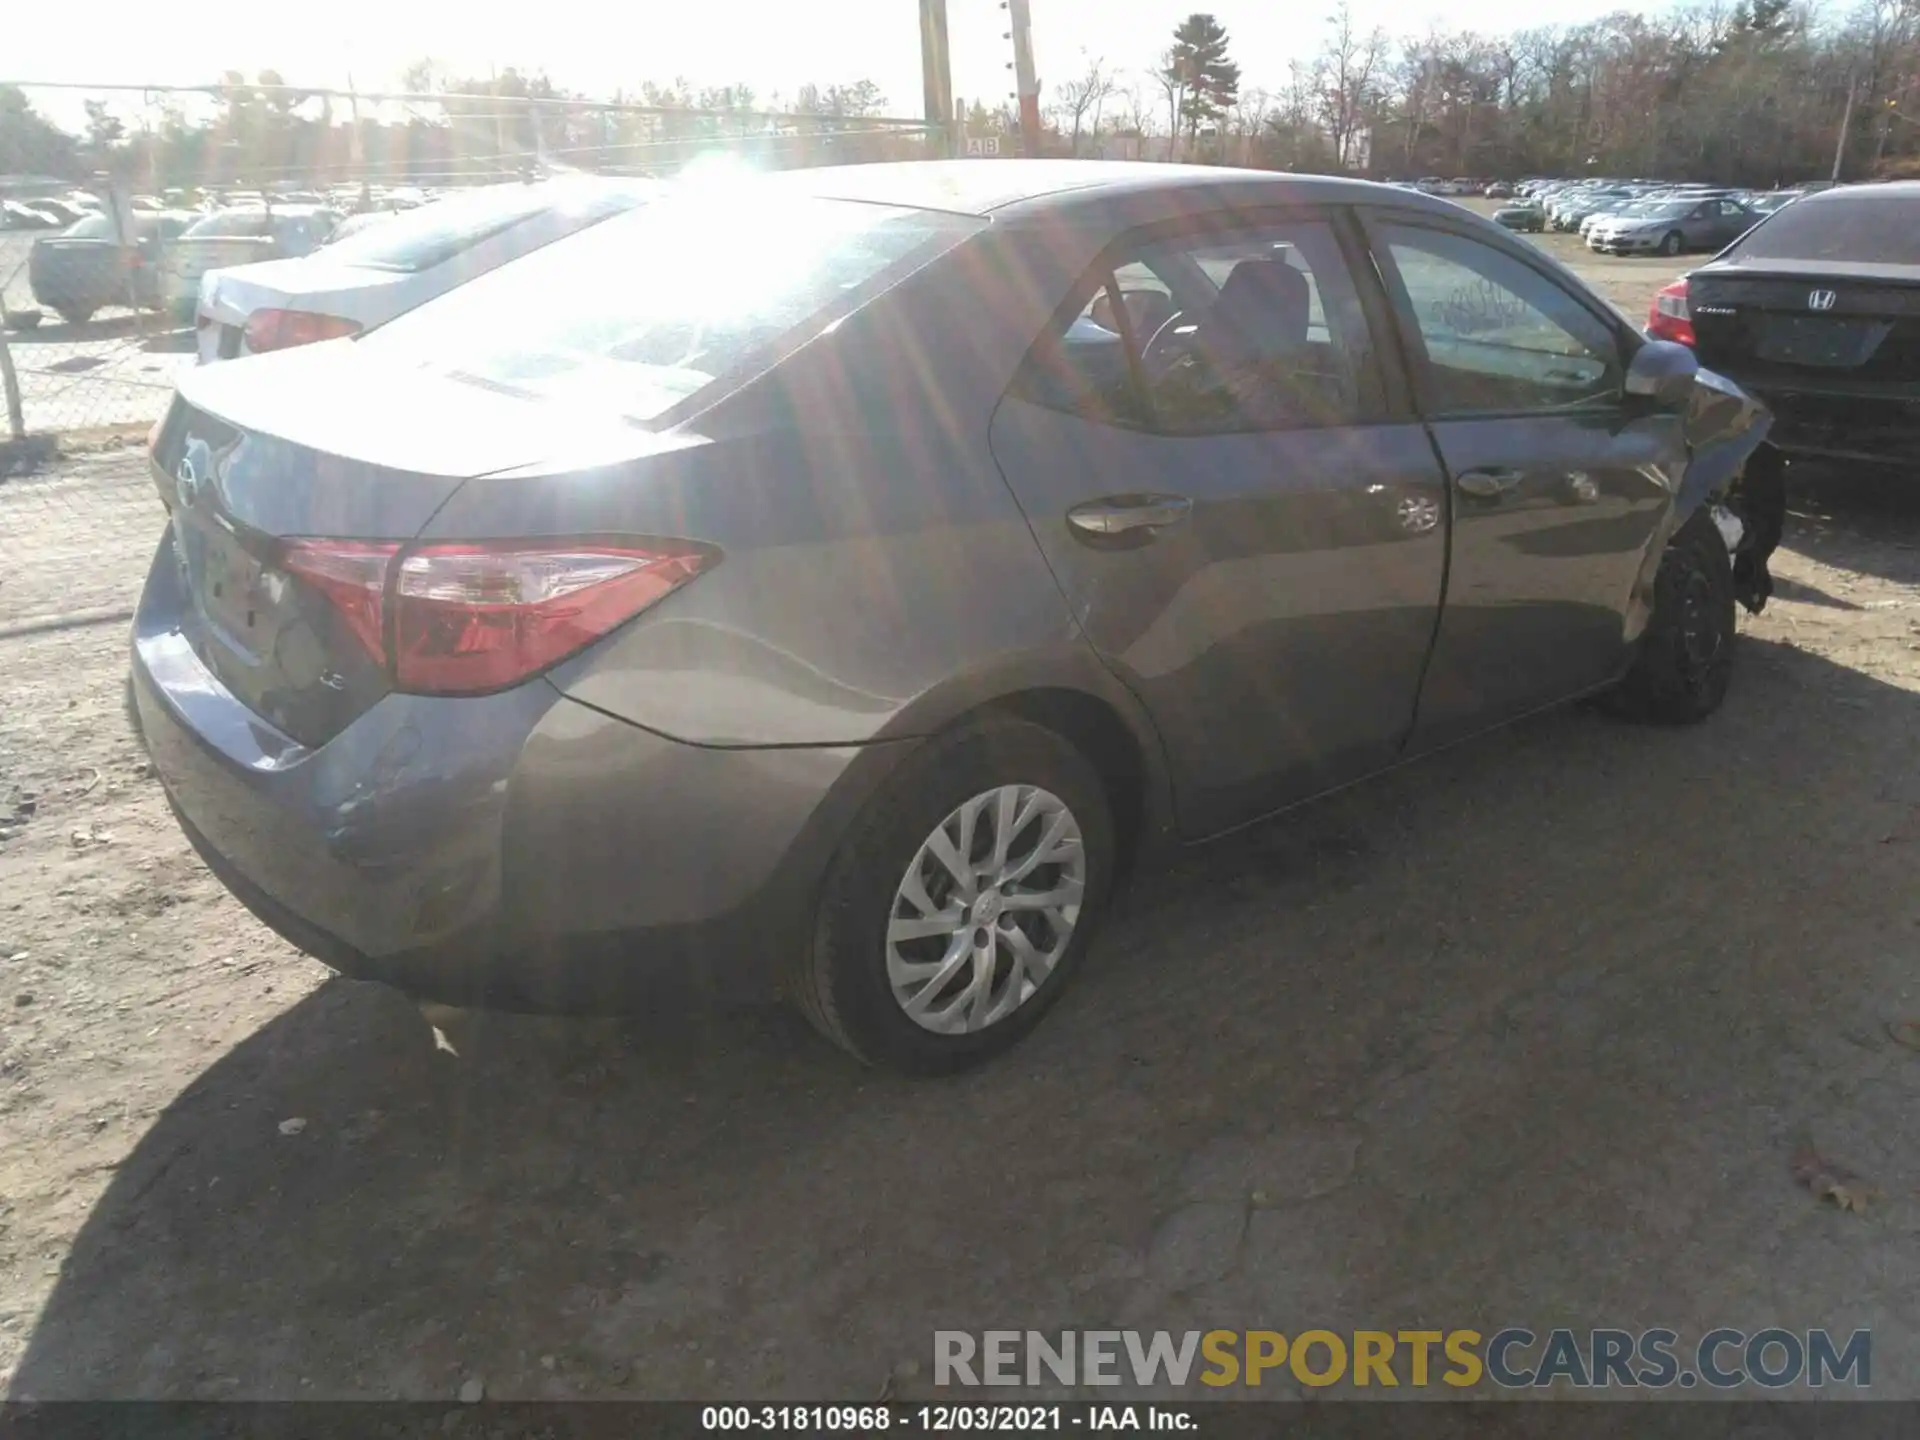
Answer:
(1559, 480)
(1246, 534)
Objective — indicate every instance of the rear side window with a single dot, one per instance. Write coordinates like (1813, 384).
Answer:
(1866, 229)
(1248, 329)
(642, 312)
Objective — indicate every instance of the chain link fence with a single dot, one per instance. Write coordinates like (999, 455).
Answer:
(109, 374)
(84, 381)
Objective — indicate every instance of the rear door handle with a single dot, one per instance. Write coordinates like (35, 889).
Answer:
(1490, 482)
(1123, 514)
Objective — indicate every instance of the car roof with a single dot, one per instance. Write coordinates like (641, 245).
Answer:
(1881, 190)
(1060, 188)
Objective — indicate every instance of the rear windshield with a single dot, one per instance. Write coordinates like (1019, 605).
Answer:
(228, 223)
(94, 227)
(644, 311)
(433, 234)
(1865, 229)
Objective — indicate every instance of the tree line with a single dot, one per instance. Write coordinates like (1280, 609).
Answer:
(1752, 92)
(1749, 92)
(464, 129)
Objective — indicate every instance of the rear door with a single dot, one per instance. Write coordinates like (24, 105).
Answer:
(1559, 482)
(1245, 519)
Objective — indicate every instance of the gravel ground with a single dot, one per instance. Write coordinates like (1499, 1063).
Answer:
(1528, 1033)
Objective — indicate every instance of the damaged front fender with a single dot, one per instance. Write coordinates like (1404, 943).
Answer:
(1737, 477)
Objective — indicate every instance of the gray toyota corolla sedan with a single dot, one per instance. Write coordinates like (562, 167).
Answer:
(830, 583)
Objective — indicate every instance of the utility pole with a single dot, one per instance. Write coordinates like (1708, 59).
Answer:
(1026, 82)
(936, 69)
(1846, 125)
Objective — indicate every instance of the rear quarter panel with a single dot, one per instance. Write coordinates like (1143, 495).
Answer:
(877, 575)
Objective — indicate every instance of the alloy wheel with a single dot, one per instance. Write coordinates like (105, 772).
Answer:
(986, 909)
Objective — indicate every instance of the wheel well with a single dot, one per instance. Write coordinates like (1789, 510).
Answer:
(1096, 730)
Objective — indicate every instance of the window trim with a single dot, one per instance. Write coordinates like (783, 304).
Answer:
(1380, 407)
(1413, 347)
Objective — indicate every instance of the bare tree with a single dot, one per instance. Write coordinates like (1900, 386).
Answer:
(1173, 87)
(1083, 96)
(1351, 64)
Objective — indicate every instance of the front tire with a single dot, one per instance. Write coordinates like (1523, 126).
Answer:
(958, 909)
(75, 314)
(1673, 244)
(1685, 663)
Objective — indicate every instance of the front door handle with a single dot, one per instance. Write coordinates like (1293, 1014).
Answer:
(1489, 483)
(1123, 514)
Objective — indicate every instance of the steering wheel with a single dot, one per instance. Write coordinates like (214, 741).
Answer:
(1166, 344)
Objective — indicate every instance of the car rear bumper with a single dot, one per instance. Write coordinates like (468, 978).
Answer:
(1840, 426)
(520, 850)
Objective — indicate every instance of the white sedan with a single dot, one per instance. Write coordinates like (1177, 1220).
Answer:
(387, 269)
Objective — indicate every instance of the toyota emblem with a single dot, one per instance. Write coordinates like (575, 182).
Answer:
(193, 471)
(1821, 300)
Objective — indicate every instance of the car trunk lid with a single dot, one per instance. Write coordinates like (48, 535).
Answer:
(1821, 327)
(281, 477)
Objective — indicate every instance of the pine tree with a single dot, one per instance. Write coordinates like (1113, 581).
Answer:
(1197, 68)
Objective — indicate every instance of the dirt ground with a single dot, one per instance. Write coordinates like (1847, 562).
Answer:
(1525, 1034)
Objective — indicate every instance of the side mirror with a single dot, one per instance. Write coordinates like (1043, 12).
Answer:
(1662, 371)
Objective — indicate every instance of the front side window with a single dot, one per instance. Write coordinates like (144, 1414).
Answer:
(1250, 329)
(1498, 335)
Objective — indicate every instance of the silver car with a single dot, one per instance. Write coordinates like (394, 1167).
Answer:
(1671, 226)
(832, 583)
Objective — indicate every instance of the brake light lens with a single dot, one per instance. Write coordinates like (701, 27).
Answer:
(353, 577)
(1669, 318)
(469, 619)
(284, 329)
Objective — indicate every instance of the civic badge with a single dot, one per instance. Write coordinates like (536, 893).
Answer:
(1821, 300)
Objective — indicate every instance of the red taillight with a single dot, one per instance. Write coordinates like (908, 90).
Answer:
(1669, 318)
(353, 576)
(472, 618)
(283, 329)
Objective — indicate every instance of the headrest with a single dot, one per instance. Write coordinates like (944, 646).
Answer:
(1261, 312)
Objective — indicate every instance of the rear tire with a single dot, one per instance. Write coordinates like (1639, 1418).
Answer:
(1685, 662)
(1673, 244)
(75, 314)
(858, 982)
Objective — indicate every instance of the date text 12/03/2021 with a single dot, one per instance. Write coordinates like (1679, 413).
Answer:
(946, 1419)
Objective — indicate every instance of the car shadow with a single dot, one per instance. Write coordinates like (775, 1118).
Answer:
(1803, 594)
(1873, 511)
(1533, 971)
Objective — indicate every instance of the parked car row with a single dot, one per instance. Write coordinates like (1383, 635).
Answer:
(92, 264)
(305, 270)
(385, 266)
(1640, 217)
